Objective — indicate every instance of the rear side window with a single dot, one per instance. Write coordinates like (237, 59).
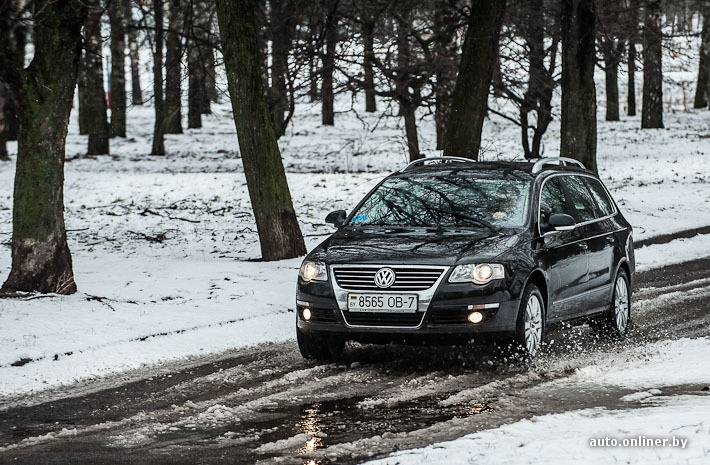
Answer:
(600, 195)
(552, 200)
(581, 198)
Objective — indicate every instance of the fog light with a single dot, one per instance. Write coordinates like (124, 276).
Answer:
(306, 314)
(475, 317)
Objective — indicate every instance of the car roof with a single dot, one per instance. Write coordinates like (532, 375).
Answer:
(473, 168)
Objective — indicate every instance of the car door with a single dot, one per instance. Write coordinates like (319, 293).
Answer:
(593, 240)
(561, 252)
(601, 256)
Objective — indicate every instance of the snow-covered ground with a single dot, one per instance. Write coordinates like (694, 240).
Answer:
(600, 435)
(162, 246)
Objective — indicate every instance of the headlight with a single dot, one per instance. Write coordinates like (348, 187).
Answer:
(483, 273)
(313, 271)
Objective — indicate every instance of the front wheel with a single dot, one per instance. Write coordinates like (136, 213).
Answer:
(530, 327)
(318, 349)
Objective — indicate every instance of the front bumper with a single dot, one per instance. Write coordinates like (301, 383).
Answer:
(445, 316)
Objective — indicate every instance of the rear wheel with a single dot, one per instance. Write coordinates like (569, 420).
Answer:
(530, 326)
(615, 321)
(319, 349)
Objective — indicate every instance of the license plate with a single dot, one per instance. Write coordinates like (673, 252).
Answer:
(389, 303)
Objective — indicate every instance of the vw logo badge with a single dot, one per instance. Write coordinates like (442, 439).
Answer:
(384, 277)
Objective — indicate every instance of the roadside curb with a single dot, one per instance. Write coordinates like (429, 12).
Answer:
(666, 238)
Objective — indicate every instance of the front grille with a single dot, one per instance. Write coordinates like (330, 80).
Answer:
(383, 319)
(362, 278)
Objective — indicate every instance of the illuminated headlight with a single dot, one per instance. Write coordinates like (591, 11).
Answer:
(483, 273)
(313, 271)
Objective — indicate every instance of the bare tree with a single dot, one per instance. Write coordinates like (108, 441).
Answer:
(282, 28)
(94, 105)
(633, 25)
(159, 129)
(279, 233)
(173, 68)
(480, 51)
(4, 156)
(117, 82)
(652, 108)
(132, 37)
(328, 58)
(44, 91)
(612, 33)
(578, 126)
(702, 89)
(368, 42)
(407, 101)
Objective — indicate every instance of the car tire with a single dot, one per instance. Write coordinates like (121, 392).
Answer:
(314, 348)
(530, 325)
(614, 323)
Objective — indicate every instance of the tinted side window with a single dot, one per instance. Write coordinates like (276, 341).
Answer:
(600, 195)
(581, 198)
(552, 200)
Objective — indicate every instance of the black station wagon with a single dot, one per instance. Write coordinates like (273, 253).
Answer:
(451, 249)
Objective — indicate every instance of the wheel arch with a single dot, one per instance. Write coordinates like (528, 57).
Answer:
(622, 265)
(538, 277)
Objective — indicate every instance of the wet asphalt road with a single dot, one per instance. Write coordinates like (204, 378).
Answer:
(268, 405)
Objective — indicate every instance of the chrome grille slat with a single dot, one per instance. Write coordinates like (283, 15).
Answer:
(410, 278)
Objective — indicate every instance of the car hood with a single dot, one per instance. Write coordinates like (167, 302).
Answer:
(413, 246)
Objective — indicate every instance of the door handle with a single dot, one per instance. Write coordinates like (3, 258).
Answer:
(609, 239)
(582, 245)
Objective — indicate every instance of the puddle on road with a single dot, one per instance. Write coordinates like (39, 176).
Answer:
(339, 421)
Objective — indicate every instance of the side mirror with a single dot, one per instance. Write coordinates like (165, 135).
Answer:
(561, 222)
(336, 218)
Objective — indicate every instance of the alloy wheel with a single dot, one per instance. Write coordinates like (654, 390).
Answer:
(621, 304)
(533, 324)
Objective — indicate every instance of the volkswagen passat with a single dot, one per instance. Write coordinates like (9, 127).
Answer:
(451, 249)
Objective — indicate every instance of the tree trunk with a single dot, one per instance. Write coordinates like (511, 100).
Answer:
(116, 11)
(281, 39)
(81, 96)
(132, 35)
(95, 98)
(207, 58)
(41, 261)
(196, 80)
(702, 90)
(313, 69)
(19, 33)
(159, 129)
(652, 104)
(4, 96)
(327, 99)
(445, 64)
(10, 120)
(470, 102)
(279, 233)
(578, 125)
(210, 90)
(631, 83)
(368, 33)
(407, 105)
(540, 82)
(173, 69)
(611, 78)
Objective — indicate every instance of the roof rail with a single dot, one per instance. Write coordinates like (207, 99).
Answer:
(563, 161)
(421, 161)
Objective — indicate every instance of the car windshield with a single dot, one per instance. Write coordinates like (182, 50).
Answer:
(443, 202)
